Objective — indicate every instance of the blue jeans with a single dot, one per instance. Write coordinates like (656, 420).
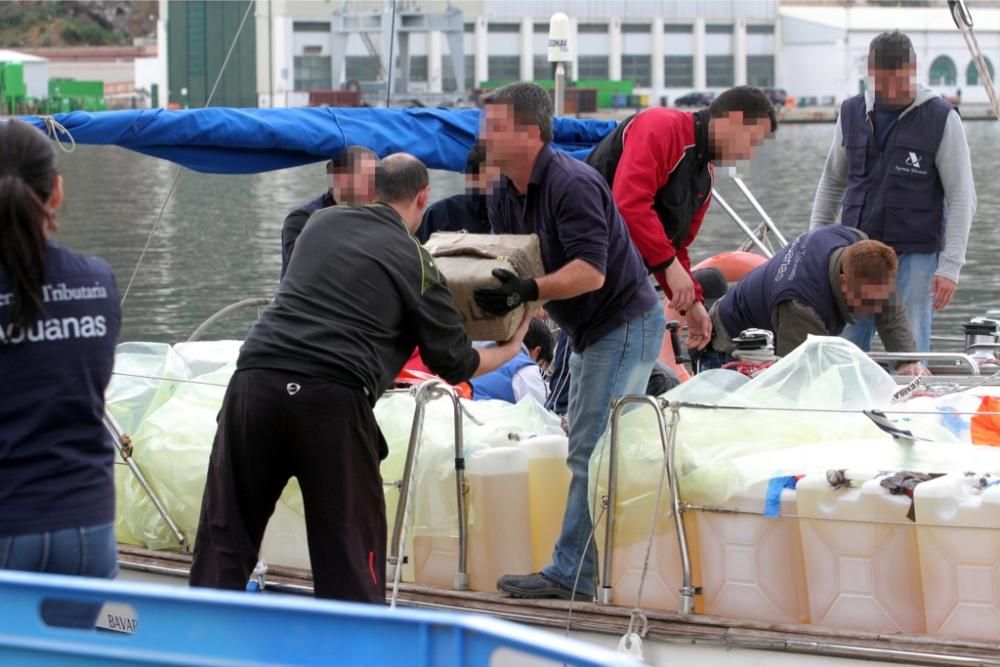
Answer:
(913, 287)
(616, 365)
(87, 551)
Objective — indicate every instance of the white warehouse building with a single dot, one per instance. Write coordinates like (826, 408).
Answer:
(667, 47)
(825, 48)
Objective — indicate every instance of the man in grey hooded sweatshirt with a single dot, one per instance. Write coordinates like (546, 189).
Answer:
(899, 170)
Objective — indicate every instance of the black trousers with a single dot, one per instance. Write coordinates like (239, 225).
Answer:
(275, 425)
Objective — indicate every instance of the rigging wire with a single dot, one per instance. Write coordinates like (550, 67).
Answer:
(390, 66)
(177, 170)
(963, 20)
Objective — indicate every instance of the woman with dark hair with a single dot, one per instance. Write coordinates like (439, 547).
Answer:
(59, 322)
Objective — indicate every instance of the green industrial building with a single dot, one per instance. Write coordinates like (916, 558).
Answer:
(199, 33)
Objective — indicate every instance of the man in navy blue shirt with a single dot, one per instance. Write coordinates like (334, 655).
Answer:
(597, 290)
(466, 211)
(352, 181)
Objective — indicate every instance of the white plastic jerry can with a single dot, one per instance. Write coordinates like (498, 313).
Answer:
(285, 542)
(751, 564)
(861, 560)
(958, 531)
(548, 487)
(435, 548)
(499, 519)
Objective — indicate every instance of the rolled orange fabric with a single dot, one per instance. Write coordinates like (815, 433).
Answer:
(986, 427)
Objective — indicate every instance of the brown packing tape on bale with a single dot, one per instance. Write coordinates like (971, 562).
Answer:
(467, 261)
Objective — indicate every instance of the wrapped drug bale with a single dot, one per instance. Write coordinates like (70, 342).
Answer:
(467, 262)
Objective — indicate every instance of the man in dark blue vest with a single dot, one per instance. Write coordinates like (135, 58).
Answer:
(816, 285)
(899, 170)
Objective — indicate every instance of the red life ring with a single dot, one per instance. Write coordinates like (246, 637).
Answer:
(733, 265)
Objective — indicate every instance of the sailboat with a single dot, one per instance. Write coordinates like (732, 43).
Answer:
(836, 568)
(695, 601)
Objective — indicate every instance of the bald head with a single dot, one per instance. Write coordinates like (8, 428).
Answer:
(401, 181)
(399, 178)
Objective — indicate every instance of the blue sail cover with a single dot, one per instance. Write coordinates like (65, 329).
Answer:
(244, 141)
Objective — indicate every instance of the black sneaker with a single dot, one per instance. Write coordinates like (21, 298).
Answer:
(536, 585)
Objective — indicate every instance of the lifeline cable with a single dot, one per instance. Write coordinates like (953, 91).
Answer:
(400, 558)
(579, 569)
(177, 170)
(166, 379)
(636, 609)
(590, 540)
(680, 404)
(390, 66)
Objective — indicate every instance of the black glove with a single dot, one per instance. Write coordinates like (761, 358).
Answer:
(512, 293)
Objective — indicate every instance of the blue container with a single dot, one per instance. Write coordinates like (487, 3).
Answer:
(619, 101)
(180, 626)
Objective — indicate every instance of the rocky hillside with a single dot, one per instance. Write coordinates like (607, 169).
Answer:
(41, 24)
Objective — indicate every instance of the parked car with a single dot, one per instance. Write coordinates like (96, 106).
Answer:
(694, 99)
(776, 95)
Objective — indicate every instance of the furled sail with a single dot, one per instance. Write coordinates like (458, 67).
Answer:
(242, 141)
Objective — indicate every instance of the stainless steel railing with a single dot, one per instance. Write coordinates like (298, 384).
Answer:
(667, 441)
(429, 391)
(959, 358)
(123, 445)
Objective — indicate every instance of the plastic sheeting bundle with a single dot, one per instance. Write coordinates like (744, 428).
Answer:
(801, 415)
(167, 398)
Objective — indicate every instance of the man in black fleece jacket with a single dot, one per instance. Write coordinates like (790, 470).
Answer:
(359, 295)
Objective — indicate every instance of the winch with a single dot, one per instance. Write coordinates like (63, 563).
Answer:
(754, 345)
(982, 337)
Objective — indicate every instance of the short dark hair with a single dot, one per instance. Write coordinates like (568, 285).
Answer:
(891, 50)
(399, 177)
(531, 105)
(539, 335)
(476, 159)
(348, 158)
(752, 101)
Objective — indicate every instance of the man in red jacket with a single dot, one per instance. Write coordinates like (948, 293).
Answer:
(660, 166)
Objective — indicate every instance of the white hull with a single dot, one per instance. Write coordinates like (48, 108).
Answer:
(694, 641)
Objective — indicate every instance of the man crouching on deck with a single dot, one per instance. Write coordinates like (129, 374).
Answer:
(815, 286)
(360, 293)
(598, 292)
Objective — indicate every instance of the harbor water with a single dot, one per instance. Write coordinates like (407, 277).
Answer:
(219, 238)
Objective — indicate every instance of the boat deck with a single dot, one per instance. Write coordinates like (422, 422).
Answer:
(613, 621)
